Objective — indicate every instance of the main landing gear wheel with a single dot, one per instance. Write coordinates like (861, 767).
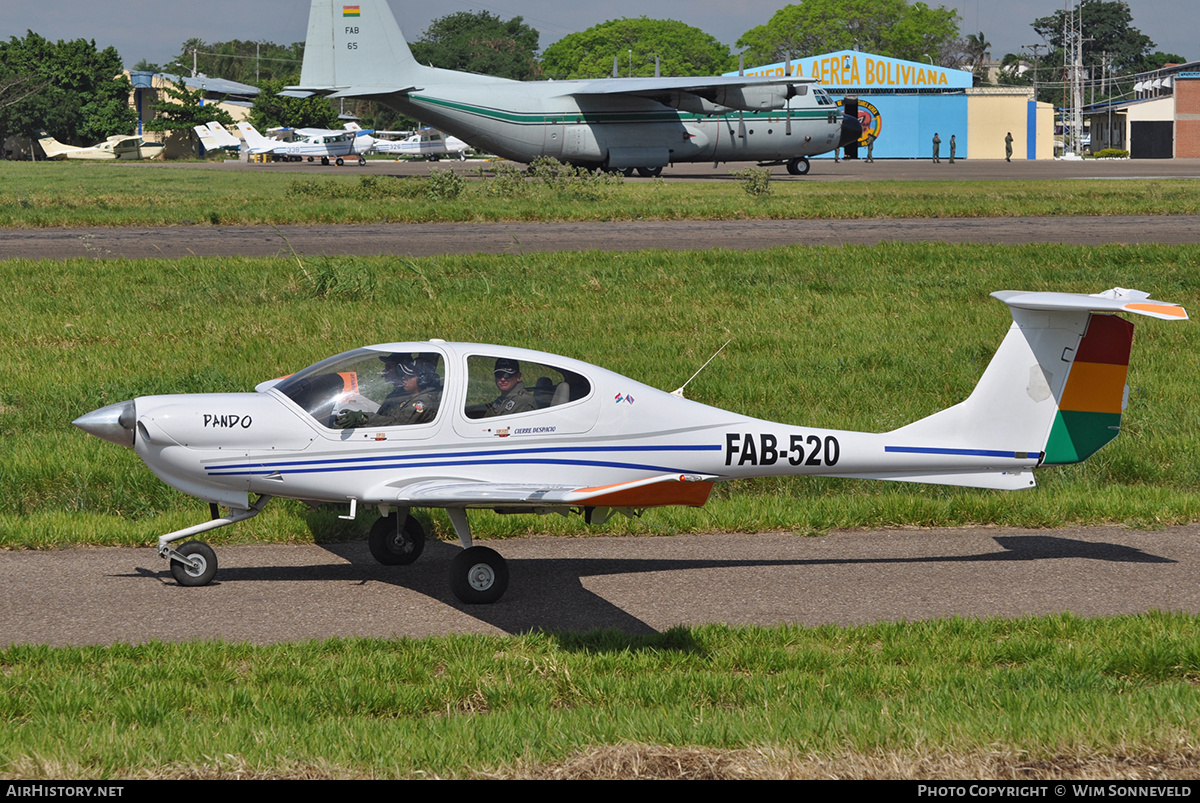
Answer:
(396, 548)
(204, 567)
(798, 166)
(649, 172)
(478, 575)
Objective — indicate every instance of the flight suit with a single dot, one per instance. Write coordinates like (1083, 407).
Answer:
(517, 400)
(419, 408)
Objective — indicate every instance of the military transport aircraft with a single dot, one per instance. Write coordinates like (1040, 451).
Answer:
(118, 146)
(466, 426)
(358, 51)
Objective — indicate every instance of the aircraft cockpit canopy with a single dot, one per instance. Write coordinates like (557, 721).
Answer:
(369, 382)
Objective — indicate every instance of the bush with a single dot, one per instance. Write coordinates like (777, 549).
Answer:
(574, 182)
(1111, 153)
(756, 181)
(507, 181)
(444, 185)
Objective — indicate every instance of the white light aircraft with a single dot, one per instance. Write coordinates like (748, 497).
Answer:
(427, 142)
(326, 145)
(464, 426)
(358, 51)
(118, 146)
(213, 136)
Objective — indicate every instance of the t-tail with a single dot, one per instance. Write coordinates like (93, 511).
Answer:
(1054, 390)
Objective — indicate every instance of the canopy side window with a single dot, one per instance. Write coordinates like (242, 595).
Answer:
(500, 386)
(367, 388)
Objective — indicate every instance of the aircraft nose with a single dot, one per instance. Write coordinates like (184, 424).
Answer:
(113, 423)
(852, 131)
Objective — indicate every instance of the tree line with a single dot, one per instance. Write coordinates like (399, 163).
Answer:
(68, 88)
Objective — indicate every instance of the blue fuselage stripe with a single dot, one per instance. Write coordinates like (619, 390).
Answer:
(488, 457)
(959, 452)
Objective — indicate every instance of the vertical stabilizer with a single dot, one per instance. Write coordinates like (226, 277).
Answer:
(51, 146)
(1090, 407)
(1056, 385)
(355, 45)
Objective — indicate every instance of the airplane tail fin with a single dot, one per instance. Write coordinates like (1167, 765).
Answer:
(357, 45)
(1056, 385)
(255, 141)
(52, 147)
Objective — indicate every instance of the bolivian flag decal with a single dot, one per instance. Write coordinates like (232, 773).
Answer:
(350, 11)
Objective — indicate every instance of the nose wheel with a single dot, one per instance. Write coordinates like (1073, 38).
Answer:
(199, 564)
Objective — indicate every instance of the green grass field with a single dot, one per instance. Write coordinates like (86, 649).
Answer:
(1019, 698)
(847, 338)
(80, 194)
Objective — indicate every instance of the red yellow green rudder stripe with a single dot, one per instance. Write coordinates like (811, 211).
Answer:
(1089, 412)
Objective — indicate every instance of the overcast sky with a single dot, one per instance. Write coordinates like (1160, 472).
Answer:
(155, 29)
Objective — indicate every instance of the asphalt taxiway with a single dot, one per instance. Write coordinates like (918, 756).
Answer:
(270, 593)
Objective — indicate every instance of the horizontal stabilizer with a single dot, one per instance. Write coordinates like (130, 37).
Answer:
(1118, 299)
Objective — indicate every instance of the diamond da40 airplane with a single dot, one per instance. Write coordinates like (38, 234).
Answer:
(358, 51)
(464, 426)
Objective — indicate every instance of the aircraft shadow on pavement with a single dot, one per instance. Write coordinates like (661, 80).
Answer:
(549, 594)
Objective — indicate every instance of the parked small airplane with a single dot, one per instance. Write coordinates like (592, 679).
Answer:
(118, 146)
(427, 142)
(213, 136)
(335, 145)
(461, 425)
(358, 51)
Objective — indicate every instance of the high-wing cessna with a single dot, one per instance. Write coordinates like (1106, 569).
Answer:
(358, 51)
(428, 142)
(335, 145)
(461, 425)
(118, 146)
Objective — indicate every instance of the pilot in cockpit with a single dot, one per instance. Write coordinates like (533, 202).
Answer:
(416, 394)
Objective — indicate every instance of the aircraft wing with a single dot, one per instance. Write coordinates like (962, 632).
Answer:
(663, 489)
(708, 94)
(639, 86)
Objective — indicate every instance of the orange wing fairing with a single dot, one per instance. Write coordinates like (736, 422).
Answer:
(691, 494)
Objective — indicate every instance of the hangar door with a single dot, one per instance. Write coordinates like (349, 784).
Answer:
(1151, 139)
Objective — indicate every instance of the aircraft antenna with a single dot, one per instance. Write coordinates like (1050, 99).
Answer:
(679, 390)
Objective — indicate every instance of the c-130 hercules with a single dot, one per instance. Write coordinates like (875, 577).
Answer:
(358, 51)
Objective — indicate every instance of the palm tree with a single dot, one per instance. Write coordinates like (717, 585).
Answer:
(977, 47)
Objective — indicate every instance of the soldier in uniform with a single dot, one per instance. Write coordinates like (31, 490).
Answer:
(513, 398)
(414, 399)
